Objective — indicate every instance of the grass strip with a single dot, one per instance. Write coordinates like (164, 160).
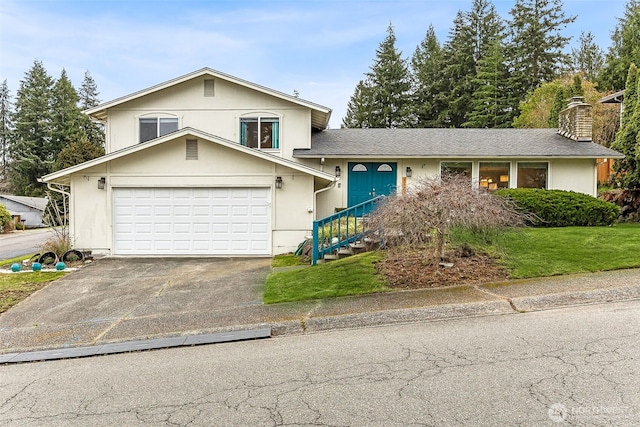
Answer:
(354, 275)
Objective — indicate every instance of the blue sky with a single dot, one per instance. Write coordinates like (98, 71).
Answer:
(319, 48)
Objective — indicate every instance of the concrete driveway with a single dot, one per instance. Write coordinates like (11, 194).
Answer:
(117, 298)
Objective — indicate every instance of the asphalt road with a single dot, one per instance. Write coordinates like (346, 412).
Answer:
(573, 366)
(19, 243)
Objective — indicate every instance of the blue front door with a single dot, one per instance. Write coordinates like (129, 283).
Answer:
(369, 179)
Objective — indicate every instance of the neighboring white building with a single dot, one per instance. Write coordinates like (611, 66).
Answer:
(28, 211)
(209, 164)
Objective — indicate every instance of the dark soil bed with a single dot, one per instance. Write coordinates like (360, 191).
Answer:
(413, 270)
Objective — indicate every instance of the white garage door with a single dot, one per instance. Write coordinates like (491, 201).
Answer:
(192, 221)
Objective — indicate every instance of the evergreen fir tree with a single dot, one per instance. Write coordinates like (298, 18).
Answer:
(588, 59)
(6, 126)
(626, 137)
(490, 101)
(470, 42)
(624, 50)
(458, 72)
(389, 86)
(66, 117)
(31, 151)
(78, 152)
(88, 94)
(559, 103)
(359, 107)
(426, 67)
(536, 43)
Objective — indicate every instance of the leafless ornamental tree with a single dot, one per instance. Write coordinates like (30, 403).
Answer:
(424, 216)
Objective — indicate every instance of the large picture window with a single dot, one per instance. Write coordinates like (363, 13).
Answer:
(532, 175)
(260, 132)
(456, 168)
(154, 127)
(494, 175)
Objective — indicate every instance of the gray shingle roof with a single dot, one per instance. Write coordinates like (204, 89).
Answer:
(450, 143)
(39, 203)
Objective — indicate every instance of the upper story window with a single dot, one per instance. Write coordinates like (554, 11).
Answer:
(153, 127)
(260, 132)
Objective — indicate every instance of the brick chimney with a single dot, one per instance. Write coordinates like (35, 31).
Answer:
(575, 121)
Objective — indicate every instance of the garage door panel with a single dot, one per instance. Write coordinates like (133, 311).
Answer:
(217, 221)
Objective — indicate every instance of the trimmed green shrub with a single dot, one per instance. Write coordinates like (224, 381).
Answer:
(5, 218)
(558, 208)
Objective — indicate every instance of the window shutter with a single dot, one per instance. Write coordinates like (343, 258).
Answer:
(243, 133)
(192, 149)
(275, 135)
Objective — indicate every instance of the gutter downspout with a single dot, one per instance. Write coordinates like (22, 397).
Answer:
(57, 190)
(315, 195)
(64, 193)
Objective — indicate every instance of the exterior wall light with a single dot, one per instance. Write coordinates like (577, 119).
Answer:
(101, 182)
(409, 172)
(278, 182)
(338, 171)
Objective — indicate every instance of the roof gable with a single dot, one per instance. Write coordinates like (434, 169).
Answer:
(319, 114)
(63, 176)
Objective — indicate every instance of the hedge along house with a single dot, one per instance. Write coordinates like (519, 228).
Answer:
(210, 164)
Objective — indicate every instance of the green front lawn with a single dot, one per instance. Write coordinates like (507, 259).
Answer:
(539, 252)
(349, 276)
(533, 252)
(15, 287)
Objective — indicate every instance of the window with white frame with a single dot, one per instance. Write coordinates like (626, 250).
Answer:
(456, 168)
(494, 175)
(532, 174)
(260, 132)
(154, 127)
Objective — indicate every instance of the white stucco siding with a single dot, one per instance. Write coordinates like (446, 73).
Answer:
(563, 174)
(165, 166)
(573, 175)
(90, 213)
(218, 115)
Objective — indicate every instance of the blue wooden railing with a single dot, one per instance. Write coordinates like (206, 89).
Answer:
(347, 226)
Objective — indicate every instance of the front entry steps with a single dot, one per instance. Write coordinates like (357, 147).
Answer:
(353, 249)
(343, 233)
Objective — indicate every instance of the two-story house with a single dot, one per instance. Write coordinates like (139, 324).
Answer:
(210, 164)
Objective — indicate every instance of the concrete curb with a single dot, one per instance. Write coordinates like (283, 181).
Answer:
(566, 299)
(137, 345)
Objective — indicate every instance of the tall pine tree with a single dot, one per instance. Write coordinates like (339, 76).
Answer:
(627, 173)
(6, 125)
(31, 150)
(358, 109)
(490, 106)
(384, 97)
(390, 86)
(426, 72)
(624, 50)
(88, 94)
(66, 120)
(588, 59)
(469, 43)
(536, 44)
(459, 71)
